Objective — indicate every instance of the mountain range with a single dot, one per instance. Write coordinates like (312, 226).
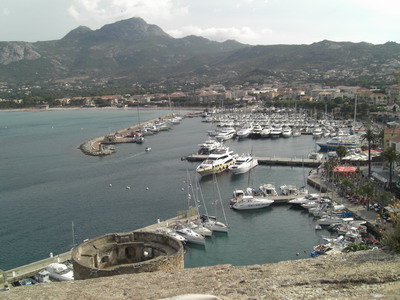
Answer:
(135, 51)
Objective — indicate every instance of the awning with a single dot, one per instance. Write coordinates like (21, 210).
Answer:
(347, 170)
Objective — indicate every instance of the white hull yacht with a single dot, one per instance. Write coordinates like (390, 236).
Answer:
(243, 164)
(216, 162)
(189, 234)
(250, 202)
(226, 134)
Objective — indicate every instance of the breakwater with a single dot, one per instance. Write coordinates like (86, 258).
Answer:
(96, 146)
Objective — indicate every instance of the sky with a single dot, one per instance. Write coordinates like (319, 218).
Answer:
(254, 22)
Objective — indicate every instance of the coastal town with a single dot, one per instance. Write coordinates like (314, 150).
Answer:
(200, 150)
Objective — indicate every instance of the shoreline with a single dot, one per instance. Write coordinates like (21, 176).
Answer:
(100, 108)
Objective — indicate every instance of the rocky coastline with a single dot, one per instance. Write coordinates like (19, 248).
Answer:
(372, 274)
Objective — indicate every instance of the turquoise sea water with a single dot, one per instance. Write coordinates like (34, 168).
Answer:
(46, 183)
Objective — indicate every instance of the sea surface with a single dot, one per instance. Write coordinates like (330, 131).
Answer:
(46, 183)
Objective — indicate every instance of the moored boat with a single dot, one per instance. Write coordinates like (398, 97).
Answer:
(243, 164)
(216, 162)
(60, 272)
(250, 202)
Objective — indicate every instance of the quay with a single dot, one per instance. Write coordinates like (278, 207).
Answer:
(361, 212)
(31, 269)
(269, 161)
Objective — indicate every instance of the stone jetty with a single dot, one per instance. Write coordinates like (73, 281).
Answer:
(97, 146)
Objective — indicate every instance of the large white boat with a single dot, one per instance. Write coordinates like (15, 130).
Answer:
(60, 272)
(189, 234)
(315, 156)
(172, 233)
(243, 164)
(317, 132)
(350, 142)
(208, 147)
(244, 132)
(226, 134)
(212, 224)
(266, 132)
(276, 131)
(216, 162)
(286, 131)
(256, 132)
(288, 190)
(250, 202)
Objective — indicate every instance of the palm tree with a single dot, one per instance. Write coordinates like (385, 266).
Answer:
(341, 152)
(370, 137)
(391, 156)
(367, 191)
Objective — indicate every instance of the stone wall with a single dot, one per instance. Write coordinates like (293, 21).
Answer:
(126, 253)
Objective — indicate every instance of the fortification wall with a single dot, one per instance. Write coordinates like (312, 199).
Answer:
(127, 253)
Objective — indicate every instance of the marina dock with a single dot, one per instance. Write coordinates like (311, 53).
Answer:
(269, 161)
(31, 269)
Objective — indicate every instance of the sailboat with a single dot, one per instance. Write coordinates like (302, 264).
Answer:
(211, 222)
(186, 229)
(137, 135)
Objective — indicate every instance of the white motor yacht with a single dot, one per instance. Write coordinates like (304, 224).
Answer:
(315, 156)
(208, 147)
(317, 132)
(256, 132)
(244, 132)
(250, 202)
(276, 131)
(226, 134)
(200, 229)
(305, 199)
(171, 233)
(60, 272)
(266, 132)
(286, 131)
(212, 224)
(243, 164)
(268, 189)
(216, 162)
(190, 235)
(292, 190)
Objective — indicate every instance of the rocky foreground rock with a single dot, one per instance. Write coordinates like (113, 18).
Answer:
(372, 274)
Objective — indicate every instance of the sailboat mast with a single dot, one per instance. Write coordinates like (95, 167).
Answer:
(73, 234)
(355, 111)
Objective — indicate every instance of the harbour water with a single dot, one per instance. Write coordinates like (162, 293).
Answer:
(47, 183)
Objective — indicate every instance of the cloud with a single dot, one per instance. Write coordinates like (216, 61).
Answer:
(243, 34)
(6, 11)
(100, 12)
(390, 8)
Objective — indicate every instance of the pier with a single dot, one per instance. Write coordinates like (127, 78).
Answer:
(360, 211)
(270, 161)
(31, 269)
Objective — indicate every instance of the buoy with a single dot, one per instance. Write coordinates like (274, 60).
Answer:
(128, 187)
(297, 254)
(110, 184)
(147, 188)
